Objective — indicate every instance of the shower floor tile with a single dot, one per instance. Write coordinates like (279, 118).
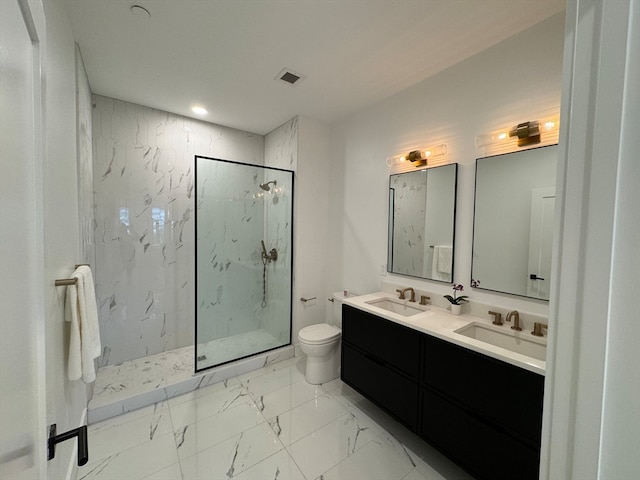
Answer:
(228, 431)
(236, 346)
(137, 383)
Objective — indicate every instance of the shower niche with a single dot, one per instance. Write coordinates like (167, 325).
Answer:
(244, 235)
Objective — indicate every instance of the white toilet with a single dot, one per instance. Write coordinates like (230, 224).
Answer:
(321, 344)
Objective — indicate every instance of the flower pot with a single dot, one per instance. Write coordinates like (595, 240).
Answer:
(455, 309)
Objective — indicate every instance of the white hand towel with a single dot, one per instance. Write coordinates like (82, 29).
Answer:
(75, 345)
(83, 315)
(445, 257)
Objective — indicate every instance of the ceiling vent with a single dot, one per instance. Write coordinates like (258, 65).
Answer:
(289, 76)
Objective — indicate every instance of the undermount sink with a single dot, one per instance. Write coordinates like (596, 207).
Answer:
(395, 306)
(516, 342)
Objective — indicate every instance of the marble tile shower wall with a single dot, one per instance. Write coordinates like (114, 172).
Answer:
(144, 222)
(409, 242)
(281, 151)
(230, 227)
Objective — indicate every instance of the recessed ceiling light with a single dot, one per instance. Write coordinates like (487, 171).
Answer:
(140, 12)
(199, 110)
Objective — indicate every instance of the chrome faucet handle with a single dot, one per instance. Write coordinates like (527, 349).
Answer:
(497, 317)
(424, 299)
(401, 292)
(516, 320)
(537, 329)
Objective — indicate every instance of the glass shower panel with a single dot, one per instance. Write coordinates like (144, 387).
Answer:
(243, 260)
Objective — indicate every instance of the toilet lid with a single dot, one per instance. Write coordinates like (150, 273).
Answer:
(320, 333)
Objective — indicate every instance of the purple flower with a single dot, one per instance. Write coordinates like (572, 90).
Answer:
(455, 300)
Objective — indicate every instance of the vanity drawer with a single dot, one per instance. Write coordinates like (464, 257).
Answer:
(391, 391)
(483, 449)
(394, 345)
(505, 394)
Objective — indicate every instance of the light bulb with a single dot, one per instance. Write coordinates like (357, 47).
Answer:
(199, 110)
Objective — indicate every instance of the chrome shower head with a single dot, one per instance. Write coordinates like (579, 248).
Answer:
(265, 186)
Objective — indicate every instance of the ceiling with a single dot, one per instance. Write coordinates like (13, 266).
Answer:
(225, 55)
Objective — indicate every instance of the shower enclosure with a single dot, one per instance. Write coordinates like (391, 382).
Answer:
(244, 254)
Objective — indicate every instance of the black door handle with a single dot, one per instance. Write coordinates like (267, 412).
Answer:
(533, 276)
(83, 447)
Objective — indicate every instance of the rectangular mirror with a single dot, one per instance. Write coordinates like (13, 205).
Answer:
(422, 210)
(513, 222)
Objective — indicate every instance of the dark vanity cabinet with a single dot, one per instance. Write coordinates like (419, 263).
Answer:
(387, 376)
(483, 413)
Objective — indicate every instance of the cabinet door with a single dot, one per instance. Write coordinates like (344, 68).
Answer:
(485, 451)
(391, 391)
(505, 394)
(395, 345)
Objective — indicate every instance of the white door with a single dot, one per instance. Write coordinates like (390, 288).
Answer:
(540, 241)
(22, 383)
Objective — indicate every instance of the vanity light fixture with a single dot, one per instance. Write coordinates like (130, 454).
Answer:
(419, 157)
(527, 133)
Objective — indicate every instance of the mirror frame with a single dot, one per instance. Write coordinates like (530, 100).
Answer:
(391, 223)
(504, 231)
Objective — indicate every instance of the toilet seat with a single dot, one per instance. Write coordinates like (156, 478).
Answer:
(318, 334)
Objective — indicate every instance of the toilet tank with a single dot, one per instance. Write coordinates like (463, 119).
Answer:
(336, 313)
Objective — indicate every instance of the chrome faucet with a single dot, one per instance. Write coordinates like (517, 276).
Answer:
(402, 297)
(516, 320)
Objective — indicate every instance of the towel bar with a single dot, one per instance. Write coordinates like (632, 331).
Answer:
(70, 281)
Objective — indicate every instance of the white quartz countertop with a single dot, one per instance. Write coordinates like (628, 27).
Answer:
(442, 324)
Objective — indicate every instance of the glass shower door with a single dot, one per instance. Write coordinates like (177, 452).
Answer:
(244, 236)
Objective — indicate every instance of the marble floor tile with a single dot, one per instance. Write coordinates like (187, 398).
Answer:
(200, 392)
(133, 463)
(306, 418)
(110, 437)
(172, 472)
(205, 406)
(279, 466)
(262, 425)
(288, 397)
(273, 380)
(374, 461)
(231, 457)
(332, 443)
(193, 438)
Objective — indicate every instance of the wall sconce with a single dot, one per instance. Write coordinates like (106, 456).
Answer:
(420, 157)
(527, 133)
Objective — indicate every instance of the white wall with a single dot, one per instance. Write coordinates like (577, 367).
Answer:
(499, 87)
(312, 256)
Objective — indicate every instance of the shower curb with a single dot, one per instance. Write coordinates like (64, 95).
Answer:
(101, 407)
